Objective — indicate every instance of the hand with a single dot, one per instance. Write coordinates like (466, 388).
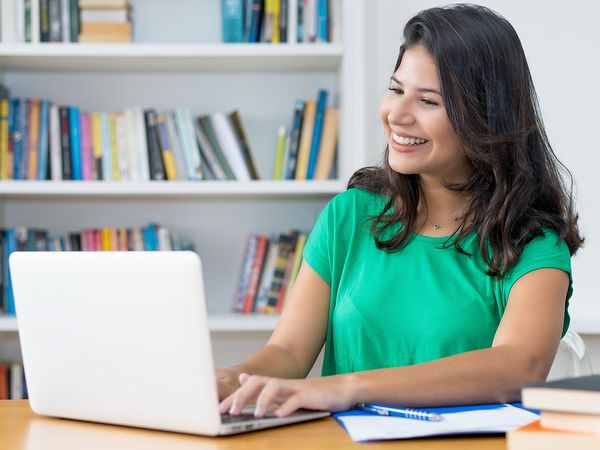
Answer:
(227, 383)
(327, 394)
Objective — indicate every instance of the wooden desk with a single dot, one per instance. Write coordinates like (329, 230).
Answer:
(21, 429)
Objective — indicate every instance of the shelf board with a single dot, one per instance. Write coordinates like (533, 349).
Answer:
(217, 322)
(170, 57)
(168, 189)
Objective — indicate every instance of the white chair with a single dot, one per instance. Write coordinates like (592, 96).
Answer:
(572, 358)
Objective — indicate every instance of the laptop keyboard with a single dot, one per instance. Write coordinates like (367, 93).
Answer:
(228, 418)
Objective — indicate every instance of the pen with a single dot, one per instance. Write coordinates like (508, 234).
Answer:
(407, 413)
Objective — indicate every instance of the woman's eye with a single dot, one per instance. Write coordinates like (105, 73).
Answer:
(396, 90)
(428, 102)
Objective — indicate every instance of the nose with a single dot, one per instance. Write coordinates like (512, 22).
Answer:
(400, 112)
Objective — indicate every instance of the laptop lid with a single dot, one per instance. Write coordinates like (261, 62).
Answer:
(117, 337)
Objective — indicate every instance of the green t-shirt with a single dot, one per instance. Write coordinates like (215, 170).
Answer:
(424, 302)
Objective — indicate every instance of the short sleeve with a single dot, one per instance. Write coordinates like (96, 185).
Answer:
(542, 252)
(317, 249)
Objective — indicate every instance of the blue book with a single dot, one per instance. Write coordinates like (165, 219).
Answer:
(292, 157)
(322, 21)
(15, 130)
(75, 137)
(300, 29)
(11, 246)
(150, 238)
(43, 144)
(255, 21)
(233, 20)
(316, 137)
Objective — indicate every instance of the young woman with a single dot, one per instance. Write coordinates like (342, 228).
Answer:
(442, 277)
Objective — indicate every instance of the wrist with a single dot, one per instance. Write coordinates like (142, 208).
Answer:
(352, 385)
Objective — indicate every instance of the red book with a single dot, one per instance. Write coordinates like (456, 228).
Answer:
(255, 275)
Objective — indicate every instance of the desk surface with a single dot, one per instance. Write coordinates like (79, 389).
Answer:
(21, 429)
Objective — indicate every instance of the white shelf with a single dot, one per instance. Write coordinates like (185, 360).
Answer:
(170, 57)
(223, 322)
(8, 323)
(103, 189)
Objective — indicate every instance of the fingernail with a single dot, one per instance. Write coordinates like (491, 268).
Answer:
(233, 408)
(259, 411)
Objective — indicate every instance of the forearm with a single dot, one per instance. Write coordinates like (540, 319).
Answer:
(270, 360)
(481, 376)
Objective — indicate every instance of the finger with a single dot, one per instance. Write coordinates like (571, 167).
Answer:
(243, 378)
(225, 404)
(274, 390)
(289, 406)
(248, 391)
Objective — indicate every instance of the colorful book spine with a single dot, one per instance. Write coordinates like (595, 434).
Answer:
(280, 153)
(98, 149)
(107, 164)
(235, 122)
(44, 143)
(17, 136)
(34, 139)
(232, 20)
(317, 132)
(322, 21)
(114, 148)
(191, 152)
(154, 156)
(86, 146)
(245, 272)
(165, 148)
(308, 123)
(207, 126)
(328, 144)
(75, 138)
(65, 143)
(4, 137)
(55, 149)
(292, 156)
(262, 246)
(208, 152)
(255, 21)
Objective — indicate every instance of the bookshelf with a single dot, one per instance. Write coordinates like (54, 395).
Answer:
(172, 70)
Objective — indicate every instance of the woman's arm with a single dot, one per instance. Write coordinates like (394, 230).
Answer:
(295, 344)
(522, 351)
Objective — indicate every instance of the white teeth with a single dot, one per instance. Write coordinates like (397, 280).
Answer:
(407, 141)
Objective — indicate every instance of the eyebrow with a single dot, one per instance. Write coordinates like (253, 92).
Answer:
(421, 89)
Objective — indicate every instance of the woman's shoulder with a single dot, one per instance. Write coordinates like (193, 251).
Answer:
(358, 197)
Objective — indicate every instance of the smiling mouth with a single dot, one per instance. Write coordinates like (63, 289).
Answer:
(408, 141)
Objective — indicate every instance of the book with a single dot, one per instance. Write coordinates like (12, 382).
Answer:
(295, 268)
(86, 146)
(255, 21)
(279, 153)
(230, 145)
(322, 21)
(107, 171)
(75, 140)
(317, 132)
(232, 20)
(65, 143)
(287, 244)
(42, 172)
(245, 272)
(262, 298)
(578, 395)
(258, 265)
(115, 166)
(54, 21)
(328, 144)
(34, 139)
(191, 151)
(236, 123)
(105, 32)
(292, 154)
(181, 163)
(534, 437)
(154, 153)
(210, 156)
(55, 150)
(16, 133)
(4, 137)
(44, 21)
(585, 423)
(106, 15)
(308, 123)
(165, 148)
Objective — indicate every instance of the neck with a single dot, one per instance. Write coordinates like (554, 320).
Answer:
(440, 207)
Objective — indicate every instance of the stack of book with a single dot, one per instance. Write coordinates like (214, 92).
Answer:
(281, 21)
(570, 415)
(40, 140)
(152, 237)
(269, 270)
(307, 151)
(12, 382)
(105, 21)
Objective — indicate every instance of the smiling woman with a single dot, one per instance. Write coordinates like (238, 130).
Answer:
(443, 276)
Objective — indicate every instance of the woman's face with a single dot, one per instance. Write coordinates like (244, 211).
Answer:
(420, 137)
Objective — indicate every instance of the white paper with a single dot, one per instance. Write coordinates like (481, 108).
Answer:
(498, 420)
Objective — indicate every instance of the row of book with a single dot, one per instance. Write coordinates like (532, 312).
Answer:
(152, 237)
(40, 140)
(281, 21)
(12, 382)
(35, 21)
(569, 418)
(307, 149)
(268, 272)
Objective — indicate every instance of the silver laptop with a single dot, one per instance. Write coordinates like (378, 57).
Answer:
(122, 338)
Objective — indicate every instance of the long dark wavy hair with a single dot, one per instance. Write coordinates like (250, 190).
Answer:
(517, 186)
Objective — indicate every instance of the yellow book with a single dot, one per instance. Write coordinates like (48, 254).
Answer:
(4, 163)
(308, 125)
(276, 11)
(34, 140)
(165, 148)
(114, 149)
(106, 239)
(328, 144)
(280, 153)
(97, 144)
